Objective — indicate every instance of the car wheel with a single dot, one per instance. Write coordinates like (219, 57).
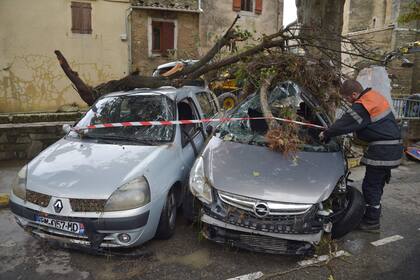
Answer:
(191, 207)
(228, 100)
(166, 227)
(352, 215)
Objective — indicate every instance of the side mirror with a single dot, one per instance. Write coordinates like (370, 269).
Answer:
(209, 129)
(66, 128)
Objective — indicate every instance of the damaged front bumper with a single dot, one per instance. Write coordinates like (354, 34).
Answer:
(276, 234)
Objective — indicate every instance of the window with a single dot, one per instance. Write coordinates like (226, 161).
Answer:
(163, 37)
(248, 6)
(187, 111)
(207, 104)
(81, 15)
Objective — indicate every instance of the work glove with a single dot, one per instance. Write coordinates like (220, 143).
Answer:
(323, 138)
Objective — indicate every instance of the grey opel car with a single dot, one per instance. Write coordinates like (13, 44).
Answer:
(248, 196)
(115, 186)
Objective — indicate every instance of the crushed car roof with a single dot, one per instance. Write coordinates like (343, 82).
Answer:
(170, 92)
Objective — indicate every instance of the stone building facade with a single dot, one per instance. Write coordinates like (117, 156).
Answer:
(193, 27)
(376, 21)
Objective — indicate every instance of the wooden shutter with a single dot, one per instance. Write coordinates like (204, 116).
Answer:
(81, 18)
(167, 37)
(87, 18)
(258, 6)
(237, 5)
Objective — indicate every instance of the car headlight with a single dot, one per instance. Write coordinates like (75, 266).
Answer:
(19, 184)
(131, 195)
(199, 184)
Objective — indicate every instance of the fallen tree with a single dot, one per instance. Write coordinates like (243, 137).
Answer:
(281, 50)
(293, 53)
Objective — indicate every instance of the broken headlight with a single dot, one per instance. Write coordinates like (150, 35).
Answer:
(199, 184)
(133, 194)
(19, 184)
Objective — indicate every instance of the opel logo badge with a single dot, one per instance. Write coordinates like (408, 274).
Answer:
(261, 209)
(58, 206)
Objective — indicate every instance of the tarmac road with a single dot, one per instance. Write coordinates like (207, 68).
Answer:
(187, 256)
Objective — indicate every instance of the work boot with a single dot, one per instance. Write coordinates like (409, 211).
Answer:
(369, 225)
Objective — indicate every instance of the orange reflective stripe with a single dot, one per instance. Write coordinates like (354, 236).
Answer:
(376, 105)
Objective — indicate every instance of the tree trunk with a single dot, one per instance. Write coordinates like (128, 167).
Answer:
(265, 106)
(319, 18)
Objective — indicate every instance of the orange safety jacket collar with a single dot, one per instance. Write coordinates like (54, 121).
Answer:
(375, 104)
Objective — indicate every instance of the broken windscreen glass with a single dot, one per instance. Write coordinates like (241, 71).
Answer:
(130, 108)
(286, 101)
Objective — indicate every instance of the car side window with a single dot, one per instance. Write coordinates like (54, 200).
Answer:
(188, 111)
(207, 104)
(214, 102)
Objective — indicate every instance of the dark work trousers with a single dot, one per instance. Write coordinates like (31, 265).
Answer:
(373, 188)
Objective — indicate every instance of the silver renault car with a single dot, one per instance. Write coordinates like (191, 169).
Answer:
(248, 196)
(115, 186)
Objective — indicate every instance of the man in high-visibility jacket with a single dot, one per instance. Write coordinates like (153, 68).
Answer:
(371, 119)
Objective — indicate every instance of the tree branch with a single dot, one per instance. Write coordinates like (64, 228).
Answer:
(210, 54)
(86, 92)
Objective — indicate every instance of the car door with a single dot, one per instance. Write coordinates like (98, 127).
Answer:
(209, 107)
(192, 135)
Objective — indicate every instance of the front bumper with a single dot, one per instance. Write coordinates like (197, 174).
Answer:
(99, 232)
(276, 234)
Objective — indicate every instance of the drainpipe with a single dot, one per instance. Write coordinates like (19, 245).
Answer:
(128, 32)
(199, 6)
(279, 7)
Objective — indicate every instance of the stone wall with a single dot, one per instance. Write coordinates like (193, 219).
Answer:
(23, 136)
(218, 15)
(25, 141)
(197, 32)
(187, 39)
(376, 23)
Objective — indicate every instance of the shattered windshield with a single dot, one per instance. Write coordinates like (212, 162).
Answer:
(130, 108)
(285, 101)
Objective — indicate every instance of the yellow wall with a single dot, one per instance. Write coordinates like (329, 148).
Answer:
(30, 76)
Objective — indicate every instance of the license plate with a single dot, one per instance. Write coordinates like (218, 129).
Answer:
(68, 226)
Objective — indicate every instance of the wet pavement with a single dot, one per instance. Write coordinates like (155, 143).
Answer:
(187, 256)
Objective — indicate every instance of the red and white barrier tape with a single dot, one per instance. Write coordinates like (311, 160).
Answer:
(165, 123)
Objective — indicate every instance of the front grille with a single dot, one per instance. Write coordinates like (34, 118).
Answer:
(87, 205)
(274, 208)
(258, 243)
(286, 223)
(306, 223)
(38, 198)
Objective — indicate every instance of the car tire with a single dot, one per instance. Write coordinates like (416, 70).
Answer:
(228, 101)
(166, 227)
(191, 207)
(352, 216)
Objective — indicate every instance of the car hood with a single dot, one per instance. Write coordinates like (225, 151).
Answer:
(260, 173)
(74, 169)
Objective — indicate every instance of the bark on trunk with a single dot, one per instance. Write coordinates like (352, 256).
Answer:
(265, 106)
(319, 18)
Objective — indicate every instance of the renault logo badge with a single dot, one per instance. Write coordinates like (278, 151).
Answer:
(58, 206)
